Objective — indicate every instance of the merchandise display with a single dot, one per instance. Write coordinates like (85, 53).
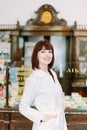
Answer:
(76, 101)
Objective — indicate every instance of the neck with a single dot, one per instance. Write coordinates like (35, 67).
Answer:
(44, 68)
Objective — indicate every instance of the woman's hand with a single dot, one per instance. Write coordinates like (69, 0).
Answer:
(45, 118)
(64, 106)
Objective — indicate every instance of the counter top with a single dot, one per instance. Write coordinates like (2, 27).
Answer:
(67, 111)
(75, 111)
(9, 110)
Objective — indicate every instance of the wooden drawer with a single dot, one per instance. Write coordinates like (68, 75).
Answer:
(1, 116)
(19, 118)
(78, 118)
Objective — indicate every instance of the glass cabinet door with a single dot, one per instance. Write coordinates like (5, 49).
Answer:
(17, 77)
(29, 45)
(2, 86)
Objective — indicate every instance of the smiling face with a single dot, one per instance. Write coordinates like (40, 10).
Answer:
(45, 57)
(42, 55)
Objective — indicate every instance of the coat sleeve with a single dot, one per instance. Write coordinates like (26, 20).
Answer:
(26, 101)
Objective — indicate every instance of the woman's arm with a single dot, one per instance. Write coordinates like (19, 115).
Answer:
(26, 101)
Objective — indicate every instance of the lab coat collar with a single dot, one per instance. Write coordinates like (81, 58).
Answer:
(40, 72)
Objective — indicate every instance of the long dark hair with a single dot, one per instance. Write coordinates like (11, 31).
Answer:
(38, 46)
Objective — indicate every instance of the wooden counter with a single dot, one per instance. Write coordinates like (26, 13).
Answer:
(76, 119)
(11, 119)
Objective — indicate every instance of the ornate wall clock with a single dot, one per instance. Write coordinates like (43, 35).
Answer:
(46, 17)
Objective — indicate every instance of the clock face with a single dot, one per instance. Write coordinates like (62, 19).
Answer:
(46, 17)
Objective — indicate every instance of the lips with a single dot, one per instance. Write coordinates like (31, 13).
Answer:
(47, 59)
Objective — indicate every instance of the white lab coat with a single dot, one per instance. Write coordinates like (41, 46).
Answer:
(41, 91)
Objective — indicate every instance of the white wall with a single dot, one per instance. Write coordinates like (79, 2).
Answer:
(22, 10)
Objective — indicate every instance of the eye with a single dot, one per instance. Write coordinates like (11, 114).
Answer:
(43, 51)
(50, 51)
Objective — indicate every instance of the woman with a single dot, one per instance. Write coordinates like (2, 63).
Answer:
(43, 90)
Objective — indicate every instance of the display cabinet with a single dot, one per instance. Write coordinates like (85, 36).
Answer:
(23, 39)
(79, 82)
(69, 44)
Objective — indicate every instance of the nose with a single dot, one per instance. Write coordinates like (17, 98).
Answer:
(47, 54)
